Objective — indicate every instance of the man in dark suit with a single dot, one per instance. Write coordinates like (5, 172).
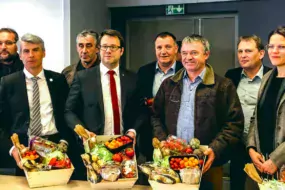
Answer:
(150, 77)
(103, 99)
(9, 63)
(247, 80)
(30, 102)
(91, 102)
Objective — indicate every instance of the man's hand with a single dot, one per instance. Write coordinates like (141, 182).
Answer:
(269, 167)
(211, 157)
(91, 135)
(133, 135)
(16, 156)
(257, 159)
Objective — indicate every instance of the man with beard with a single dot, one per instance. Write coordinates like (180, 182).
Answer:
(9, 63)
(9, 58)
(87, 48)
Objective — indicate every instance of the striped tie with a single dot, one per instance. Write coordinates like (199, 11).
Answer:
(36, 126)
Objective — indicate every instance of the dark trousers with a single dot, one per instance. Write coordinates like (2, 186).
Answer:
(238, 160)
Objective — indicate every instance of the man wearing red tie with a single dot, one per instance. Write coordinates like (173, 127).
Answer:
(103, 99)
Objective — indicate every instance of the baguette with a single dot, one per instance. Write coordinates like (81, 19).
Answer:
(80, 130)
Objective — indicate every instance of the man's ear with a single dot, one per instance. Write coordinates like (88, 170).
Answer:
(122, 51)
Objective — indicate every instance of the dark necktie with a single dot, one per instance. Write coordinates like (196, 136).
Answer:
(115, 104)
(36, 126)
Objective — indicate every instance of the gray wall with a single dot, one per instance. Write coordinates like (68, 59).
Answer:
(86, 14)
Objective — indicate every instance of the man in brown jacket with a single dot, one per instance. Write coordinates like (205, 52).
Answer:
(87, 48)
(196, 102)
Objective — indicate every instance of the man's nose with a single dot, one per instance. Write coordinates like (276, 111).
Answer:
(3, 45)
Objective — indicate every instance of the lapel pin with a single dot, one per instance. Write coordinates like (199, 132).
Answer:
(50, 79)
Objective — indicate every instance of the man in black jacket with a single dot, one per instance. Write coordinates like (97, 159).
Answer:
(9, 58)
(87, 49)
(30, 102)
(247, 80)
(9, 63)
(150, 77)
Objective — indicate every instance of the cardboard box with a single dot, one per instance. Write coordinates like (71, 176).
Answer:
(178, 186)
(49, 178)
(122, 183)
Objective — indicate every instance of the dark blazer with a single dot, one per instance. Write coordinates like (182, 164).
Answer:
(235, 74)
(85, 104)
(14, 105)
(146, 77)
(145, 84)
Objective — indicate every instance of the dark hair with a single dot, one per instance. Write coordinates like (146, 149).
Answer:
(89, 32)
(279, 30)
(164, 35)
(256, 39)
(10, 30)
(179, 43)
(114, 33)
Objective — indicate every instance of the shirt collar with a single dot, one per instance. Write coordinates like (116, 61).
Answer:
(104, 70)
(200, 76)
(172, 68)
(28, 75)
(258, 74)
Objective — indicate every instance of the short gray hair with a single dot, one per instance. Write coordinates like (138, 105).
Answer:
(33, 39)
(197, 38)
(89, 32)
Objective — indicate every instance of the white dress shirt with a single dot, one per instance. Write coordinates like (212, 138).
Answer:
(47, 117)
(107, 100)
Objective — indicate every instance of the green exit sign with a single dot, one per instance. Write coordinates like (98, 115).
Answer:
(175, 9)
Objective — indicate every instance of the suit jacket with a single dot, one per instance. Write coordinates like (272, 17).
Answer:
(235, 74)
(85, 104)
(146, 76)
(14, 105)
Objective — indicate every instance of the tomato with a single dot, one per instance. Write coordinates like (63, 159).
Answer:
(117, 158)
(129, 152)
(201, 162)
(52, 162)
(188, 151)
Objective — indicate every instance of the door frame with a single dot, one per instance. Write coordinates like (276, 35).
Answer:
(197, 19)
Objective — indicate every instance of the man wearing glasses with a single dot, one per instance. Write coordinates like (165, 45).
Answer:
(247, 79)
(87, 49)
(9, 58)
(103, 99)
(9, 63)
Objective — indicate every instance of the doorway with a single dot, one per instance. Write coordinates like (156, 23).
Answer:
(221, 31)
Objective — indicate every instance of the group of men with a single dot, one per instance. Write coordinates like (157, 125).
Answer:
(190, 100)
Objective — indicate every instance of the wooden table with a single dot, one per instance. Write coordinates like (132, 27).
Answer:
(20, 183)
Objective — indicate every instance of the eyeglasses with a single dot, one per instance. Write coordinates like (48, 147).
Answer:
(7, 43)
(112, 48)
(271, 47)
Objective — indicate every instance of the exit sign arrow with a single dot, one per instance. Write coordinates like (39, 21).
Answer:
(175, 9)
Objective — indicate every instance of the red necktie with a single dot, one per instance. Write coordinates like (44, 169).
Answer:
(115, 105)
